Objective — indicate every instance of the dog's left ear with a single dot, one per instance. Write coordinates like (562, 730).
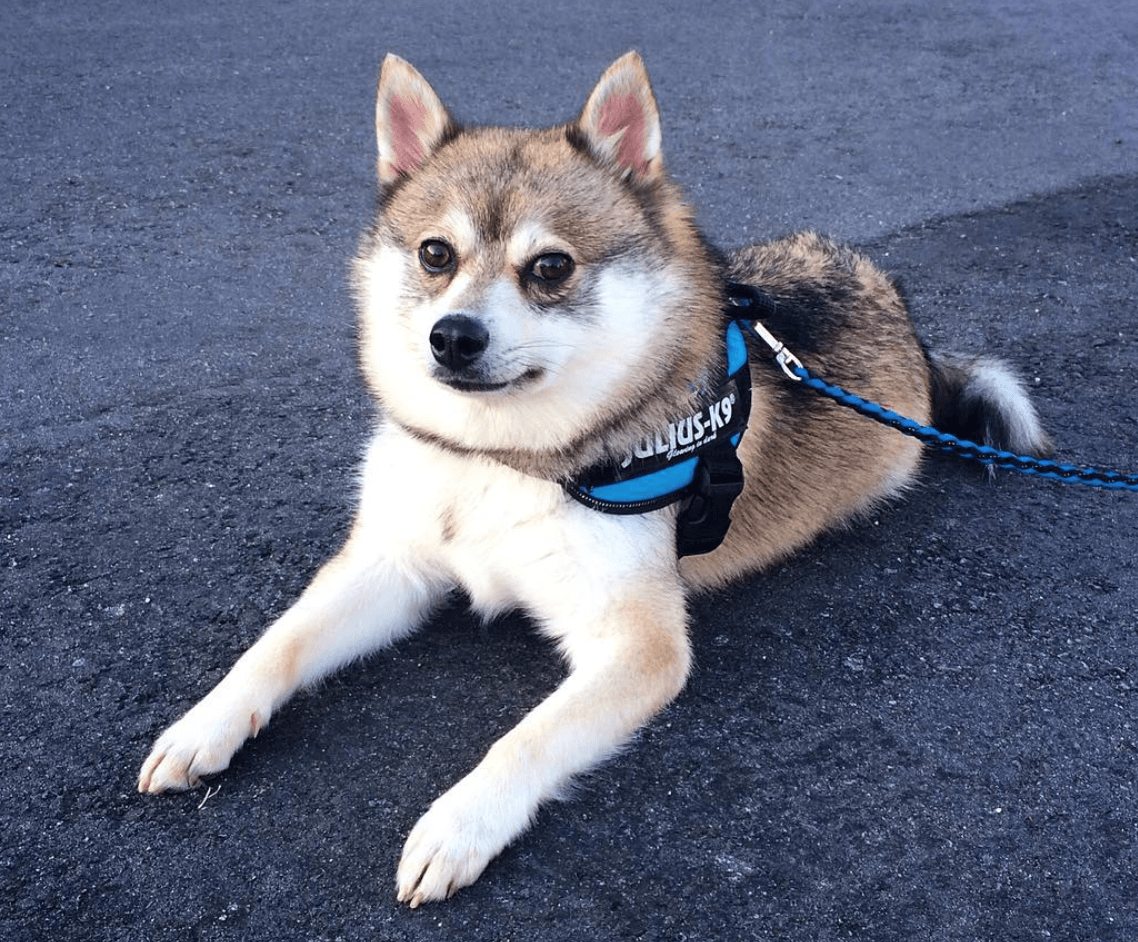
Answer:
(620, 121)
(410, 120)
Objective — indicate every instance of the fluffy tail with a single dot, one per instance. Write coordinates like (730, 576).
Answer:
(980, 399)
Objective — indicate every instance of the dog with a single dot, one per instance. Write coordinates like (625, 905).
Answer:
(540, 315)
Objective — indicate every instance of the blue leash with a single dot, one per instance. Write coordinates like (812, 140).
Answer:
(993, 457)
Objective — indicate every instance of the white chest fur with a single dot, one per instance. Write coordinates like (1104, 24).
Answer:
(507, 539)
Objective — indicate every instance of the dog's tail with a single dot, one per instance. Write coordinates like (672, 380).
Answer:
(982, 400)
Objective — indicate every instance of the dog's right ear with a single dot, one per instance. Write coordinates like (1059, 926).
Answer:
(410, 120)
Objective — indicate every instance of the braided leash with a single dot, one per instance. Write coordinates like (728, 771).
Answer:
(993, 457)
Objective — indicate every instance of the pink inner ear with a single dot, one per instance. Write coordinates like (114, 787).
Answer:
(623, 112)
(407, 120)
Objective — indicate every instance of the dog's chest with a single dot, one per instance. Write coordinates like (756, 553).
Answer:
(498, 533)
(507, 539)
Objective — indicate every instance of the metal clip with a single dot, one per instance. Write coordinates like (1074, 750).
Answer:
(787, 360)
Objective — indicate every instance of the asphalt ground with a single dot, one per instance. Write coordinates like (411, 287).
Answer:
(920, 729)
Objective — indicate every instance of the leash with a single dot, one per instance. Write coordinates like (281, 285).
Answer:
(744, 296)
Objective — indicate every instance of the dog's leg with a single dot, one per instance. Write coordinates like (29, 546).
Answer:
(356, 604)
(626, 666)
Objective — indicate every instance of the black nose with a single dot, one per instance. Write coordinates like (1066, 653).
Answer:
(457, 341)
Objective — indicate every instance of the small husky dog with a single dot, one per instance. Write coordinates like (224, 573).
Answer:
(536, 304)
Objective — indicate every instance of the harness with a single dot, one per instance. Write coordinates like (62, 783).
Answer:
(693, 458)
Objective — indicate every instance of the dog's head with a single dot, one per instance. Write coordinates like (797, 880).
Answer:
(520, 289)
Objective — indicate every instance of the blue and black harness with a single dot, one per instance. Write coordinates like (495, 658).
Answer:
(694, 459)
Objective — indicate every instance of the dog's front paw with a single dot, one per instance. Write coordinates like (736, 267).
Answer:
(200, 743)
(454, 841)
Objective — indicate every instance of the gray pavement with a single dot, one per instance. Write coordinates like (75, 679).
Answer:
(920, 729)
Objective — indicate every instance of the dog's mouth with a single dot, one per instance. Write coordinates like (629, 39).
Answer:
(468, 384)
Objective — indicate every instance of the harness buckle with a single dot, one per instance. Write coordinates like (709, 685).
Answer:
(703, 523)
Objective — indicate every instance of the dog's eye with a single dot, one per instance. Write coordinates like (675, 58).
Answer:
(552, 268)
(436, 256)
